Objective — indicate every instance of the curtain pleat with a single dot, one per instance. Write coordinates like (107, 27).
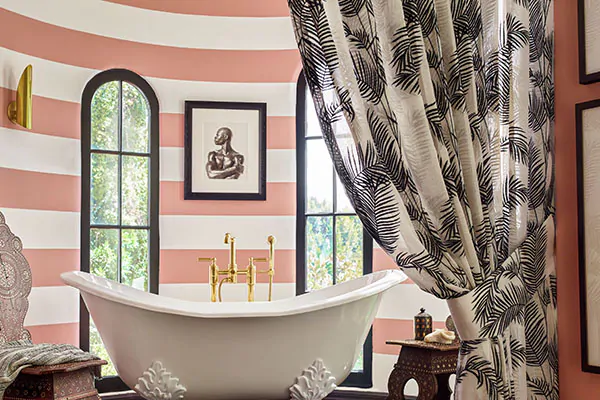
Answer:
(438, 115)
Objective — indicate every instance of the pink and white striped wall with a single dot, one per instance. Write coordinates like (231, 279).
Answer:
(228, 50)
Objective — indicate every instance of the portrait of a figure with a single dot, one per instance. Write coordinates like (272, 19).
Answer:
(224, 162)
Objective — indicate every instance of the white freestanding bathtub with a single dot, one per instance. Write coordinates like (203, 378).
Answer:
(170, 348)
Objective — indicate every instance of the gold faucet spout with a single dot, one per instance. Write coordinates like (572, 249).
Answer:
(232, 268)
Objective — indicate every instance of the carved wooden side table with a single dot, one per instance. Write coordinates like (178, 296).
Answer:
(429, 364)
(73, 381)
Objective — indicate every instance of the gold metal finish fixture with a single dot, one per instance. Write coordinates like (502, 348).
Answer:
(232, 270)
(19, 111)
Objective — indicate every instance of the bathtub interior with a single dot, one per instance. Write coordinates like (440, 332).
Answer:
(334, 295)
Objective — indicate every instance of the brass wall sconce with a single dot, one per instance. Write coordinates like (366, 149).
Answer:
(232, 271)
(19, 111)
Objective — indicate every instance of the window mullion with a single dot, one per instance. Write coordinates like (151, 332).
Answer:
(334, 203)
(120, 178)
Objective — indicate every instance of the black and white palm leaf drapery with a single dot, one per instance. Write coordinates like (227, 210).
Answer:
(438, 115)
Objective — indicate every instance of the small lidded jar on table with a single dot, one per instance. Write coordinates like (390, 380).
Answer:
(423, 325)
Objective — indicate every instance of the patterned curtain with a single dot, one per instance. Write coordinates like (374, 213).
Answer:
(438, 116)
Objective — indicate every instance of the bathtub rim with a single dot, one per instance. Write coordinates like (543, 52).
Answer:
(309, 302)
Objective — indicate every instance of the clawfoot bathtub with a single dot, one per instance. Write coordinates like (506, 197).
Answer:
(300, 347)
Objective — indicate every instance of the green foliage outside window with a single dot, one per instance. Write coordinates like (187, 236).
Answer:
(105, 207)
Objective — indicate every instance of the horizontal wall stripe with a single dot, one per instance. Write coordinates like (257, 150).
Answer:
(394, 329)
(404, 302)
(52, 305)
(57, 44)
(40, 229)
(66, 82)
(281, 200)
(180, 232)
(39, 191)
(60, 230)
(281, 131)
(29, 151)
(50, 116)
(383, 364)
(169, 29)
(381, 261)
(181, 266)
(280, 97)
(382, 367)
(47, 265)
(57, 334)
(222, 8)
(281, 165)
(230, 292)
(172, 130)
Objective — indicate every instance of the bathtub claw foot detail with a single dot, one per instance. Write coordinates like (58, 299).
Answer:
(156, 383)
(315, 383)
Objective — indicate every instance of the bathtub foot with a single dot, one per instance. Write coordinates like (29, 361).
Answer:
(157, 384)
(315, 383)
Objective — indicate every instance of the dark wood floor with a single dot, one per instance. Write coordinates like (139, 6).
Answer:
(336, 395)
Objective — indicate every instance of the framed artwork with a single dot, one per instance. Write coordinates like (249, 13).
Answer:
(589, 40)
(225, 151)
(588, 193)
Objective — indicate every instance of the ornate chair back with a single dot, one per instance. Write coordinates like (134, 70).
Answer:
(15, 286)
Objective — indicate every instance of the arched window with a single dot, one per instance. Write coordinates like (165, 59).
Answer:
(331, 244)
(120, 192)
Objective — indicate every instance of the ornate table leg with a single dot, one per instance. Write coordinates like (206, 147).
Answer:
(444, 390)
(396, 383)
(428, 386)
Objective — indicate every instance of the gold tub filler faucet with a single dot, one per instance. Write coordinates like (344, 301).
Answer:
(232, 271)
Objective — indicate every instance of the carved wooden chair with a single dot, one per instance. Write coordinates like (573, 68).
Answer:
(62, 381)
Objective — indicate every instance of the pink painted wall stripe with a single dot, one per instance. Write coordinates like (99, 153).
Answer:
(221, 8)
(381, 261)
(50, 116)
(181, 266)
(39, 191)
(47, 265)
(281, 200)
(281, 131)
(58, 334)
(82, 49)
(62, 119)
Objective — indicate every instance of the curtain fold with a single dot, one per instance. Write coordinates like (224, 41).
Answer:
(438, 115)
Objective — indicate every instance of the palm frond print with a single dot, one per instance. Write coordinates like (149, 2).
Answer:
(450, 106)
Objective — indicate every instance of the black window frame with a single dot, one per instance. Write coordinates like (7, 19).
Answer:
(114, 383)
(362, 379)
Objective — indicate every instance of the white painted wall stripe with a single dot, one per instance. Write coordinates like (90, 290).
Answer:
(231, 292)
(161, 28)
(53, 305)
(66, 82)
(40, 229)
(281, 165)
(206, 232)
(29, 151)
(39, 153)
(404, 302)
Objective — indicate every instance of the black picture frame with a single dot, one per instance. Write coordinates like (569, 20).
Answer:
(581, 245)
(585, 78)
(189, 193)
